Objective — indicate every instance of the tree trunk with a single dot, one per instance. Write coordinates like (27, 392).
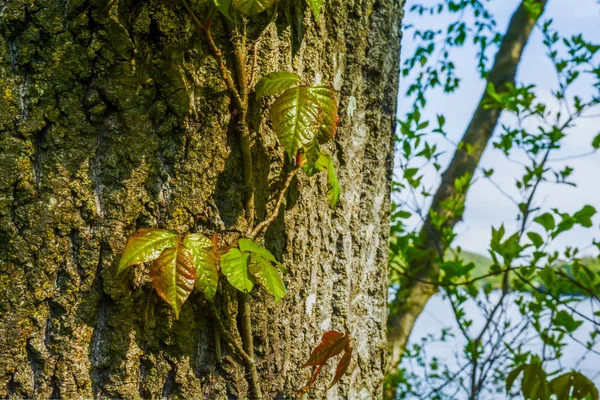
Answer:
(414, 294)
(113, 117)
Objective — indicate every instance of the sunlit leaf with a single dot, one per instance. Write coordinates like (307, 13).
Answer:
(275, 83)
(315, 6)
(268, 276)
(173, 276)
(325, 97)
(297, 118)
(248, 245)
(205, 263)
(146, 246)
(252, 7)
(234, 265)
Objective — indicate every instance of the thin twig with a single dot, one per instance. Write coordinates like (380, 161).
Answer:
(262, 225)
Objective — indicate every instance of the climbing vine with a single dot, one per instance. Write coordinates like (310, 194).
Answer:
(304, 117)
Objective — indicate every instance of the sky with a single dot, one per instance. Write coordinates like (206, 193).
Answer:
(486, 206)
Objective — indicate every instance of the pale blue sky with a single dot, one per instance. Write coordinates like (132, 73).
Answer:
(486, 206)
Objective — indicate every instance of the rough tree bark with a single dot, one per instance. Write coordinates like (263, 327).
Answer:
(413, 294)
(113, 117)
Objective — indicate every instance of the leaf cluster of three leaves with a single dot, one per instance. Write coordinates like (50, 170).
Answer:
(332, 344)
(304, 117)
(250, 263)
(178, 265)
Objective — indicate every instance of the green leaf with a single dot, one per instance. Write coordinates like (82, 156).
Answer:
(512, 376)
(596, 142)
(275, 83)
(333, 194)
(205, 264)
(268, 276)
(249, 246)
(573, 385)
(223, 6)
(325, 163)
(297, 118)
(325, 97)
(546, 220)
(315, 6)
(146, 246)
(252, 7)
(173, 276)
(565, 320)
(584, 216)
(536, 239)
(321, 164)
(234, 265)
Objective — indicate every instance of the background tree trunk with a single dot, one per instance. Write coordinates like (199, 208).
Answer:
(414, 294)
(113, 117)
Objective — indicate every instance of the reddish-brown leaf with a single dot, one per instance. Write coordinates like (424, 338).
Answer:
(342, 366)
(173, 276)
(332, 344)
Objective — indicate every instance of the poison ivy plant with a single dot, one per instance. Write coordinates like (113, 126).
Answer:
(304, 118)
(179, 265)
(332, 344)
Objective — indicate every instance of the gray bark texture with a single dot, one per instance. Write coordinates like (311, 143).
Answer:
(113, 117)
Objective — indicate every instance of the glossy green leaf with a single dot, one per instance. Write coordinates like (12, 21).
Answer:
(315, 6)
(205, 264)
(173, 276)
(325, 97)
(250, 246)
(275, 83)
(252, 7)
(574, 386)
(223, 6)
(268, 276)
(297, 118)
(146, 246)
(234, 265)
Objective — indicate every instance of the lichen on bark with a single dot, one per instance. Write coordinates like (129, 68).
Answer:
(113, 117)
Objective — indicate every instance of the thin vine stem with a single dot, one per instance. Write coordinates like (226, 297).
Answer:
(246, 356)
(266, 222)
